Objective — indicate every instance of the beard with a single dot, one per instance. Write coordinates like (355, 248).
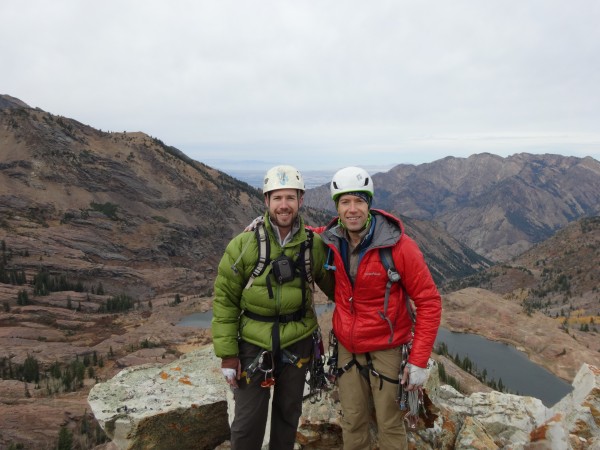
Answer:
(287, 221)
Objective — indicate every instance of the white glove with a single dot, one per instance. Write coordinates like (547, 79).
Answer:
(417, 375)
(230, 375)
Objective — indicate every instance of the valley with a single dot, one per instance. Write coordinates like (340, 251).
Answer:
(107, 240)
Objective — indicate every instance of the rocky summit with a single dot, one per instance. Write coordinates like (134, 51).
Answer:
(184, 405)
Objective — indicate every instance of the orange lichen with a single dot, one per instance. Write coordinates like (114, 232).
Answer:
(185, 380)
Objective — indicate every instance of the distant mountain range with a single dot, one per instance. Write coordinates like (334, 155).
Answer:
(499, 207)
(126, 201)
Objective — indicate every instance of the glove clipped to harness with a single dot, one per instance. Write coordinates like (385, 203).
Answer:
(231, 369)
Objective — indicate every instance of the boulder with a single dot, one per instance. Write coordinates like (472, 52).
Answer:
(176, 406)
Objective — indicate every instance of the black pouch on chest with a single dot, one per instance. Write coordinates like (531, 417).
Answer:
(284, 269)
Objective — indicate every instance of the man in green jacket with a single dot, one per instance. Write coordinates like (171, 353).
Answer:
(263, 322)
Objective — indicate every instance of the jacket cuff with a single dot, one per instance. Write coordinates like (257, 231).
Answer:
(230, 363)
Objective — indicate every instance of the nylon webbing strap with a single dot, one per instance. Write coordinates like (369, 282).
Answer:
(284, 318)
(366, 370)
(393, 277)
(264, 249)
(307, 246)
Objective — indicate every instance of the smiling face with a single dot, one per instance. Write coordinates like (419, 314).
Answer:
(283, 205)
(353, 212)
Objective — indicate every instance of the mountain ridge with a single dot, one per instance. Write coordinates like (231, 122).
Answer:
(497, 206)
(60, 173)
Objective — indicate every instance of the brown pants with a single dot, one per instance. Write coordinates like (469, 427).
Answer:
(252, 402)
(357, 393)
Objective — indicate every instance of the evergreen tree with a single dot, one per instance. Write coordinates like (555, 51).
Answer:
(65, 439)
(85, 425)
(442, 372)
(31, 370)
(55, 371)
(22, 298)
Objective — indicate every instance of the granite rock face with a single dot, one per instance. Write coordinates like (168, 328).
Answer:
(184, 404)
(175, 406)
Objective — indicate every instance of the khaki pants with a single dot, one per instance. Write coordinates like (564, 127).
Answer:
(357, 394)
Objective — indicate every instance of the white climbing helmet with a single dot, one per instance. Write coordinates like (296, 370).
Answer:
(282, 177)
(351, 179)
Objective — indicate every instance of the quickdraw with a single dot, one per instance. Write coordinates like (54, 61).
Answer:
(261, 364)
(316, 379)
(416, 406)
(402, 397)
(265, 363)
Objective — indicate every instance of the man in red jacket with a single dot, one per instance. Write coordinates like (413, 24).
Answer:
(372, 332)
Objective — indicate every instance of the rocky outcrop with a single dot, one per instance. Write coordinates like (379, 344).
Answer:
(184, 405)
(175, 406)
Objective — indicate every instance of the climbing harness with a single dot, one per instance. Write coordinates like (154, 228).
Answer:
(365, 370)
(264, 363)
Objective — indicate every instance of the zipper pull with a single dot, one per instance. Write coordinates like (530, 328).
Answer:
(351, 299)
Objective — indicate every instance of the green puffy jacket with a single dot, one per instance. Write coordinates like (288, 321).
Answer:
(231, 297)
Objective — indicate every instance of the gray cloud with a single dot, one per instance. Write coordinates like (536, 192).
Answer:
(316, 84)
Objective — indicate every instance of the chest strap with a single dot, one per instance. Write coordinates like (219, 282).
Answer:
(284, 318)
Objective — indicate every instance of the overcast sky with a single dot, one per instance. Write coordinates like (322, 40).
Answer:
(317, 84)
